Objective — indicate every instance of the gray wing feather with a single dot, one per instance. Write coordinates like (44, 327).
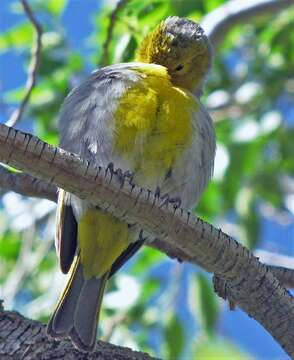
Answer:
(86, 119)
(87, 128)
(87, 115)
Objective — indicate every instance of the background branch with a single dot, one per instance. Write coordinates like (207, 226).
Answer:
(249, 283)
(26, 185)
(33, 67)
(231, 288)
(220, 21)
(113, 17)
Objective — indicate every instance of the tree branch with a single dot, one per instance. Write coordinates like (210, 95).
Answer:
(113, 17)
(281, 266)
(33, 67)
(220, 21)
(250, 284)
(26, 185)
(26, 339)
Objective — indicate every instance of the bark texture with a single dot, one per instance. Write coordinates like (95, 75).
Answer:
(238, 274)
(249, 283)
(26, 185)
(25, 339)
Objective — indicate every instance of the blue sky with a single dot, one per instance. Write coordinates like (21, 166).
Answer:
(236, 325)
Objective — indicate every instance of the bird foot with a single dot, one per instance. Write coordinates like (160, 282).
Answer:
(121, 176)
(130, 176)
(110, 169)
(166, 199)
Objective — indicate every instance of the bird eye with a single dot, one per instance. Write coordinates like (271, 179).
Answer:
(179, 67)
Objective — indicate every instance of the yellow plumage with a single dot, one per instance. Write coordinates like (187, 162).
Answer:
(144, 117)
(109, 238)
(153, 124)
(152, 129)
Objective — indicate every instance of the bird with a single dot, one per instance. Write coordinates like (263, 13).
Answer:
(146, 119)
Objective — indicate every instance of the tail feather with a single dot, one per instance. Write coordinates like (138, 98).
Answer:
(77, 312)
(86, 316)
(61, 321)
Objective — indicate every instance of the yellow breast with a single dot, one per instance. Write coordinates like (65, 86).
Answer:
(153, 123)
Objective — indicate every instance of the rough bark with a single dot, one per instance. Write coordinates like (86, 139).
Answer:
(26, 339)
(249, 283)
(28, 185)
(239, 276)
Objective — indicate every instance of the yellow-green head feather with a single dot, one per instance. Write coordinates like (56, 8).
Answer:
(182, 47)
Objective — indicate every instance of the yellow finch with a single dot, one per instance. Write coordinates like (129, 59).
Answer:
(144, 117)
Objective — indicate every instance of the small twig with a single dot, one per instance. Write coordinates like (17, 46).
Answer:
(32, 253)
(113, 18)
(33, 67)
(21, 268)
(112, 324)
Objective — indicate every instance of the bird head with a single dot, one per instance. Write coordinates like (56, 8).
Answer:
(182, 47)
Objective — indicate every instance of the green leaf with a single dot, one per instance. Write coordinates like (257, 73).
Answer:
(149, 288)
(251, 223)
(212, 4)
(185, 8)
(148, 12)
(206, 303)
(9, 245)
(175, 337)
(75, 62)
(14, 95)
(218, 349)
(249, 220)
(42, 95)
(145, 260)
(51, 138)
(18, 36)
(48, 262)
(56, 6)
(210, 204)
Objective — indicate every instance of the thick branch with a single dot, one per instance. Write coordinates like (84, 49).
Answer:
(220, 21)
(251, 286)
(33, 67)
(26, 339)
(281, 266)
(284, 275)
(28, 185)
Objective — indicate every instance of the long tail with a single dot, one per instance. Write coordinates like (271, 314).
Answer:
(77, 312)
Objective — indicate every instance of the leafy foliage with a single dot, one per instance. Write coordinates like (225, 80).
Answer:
(250, 96)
